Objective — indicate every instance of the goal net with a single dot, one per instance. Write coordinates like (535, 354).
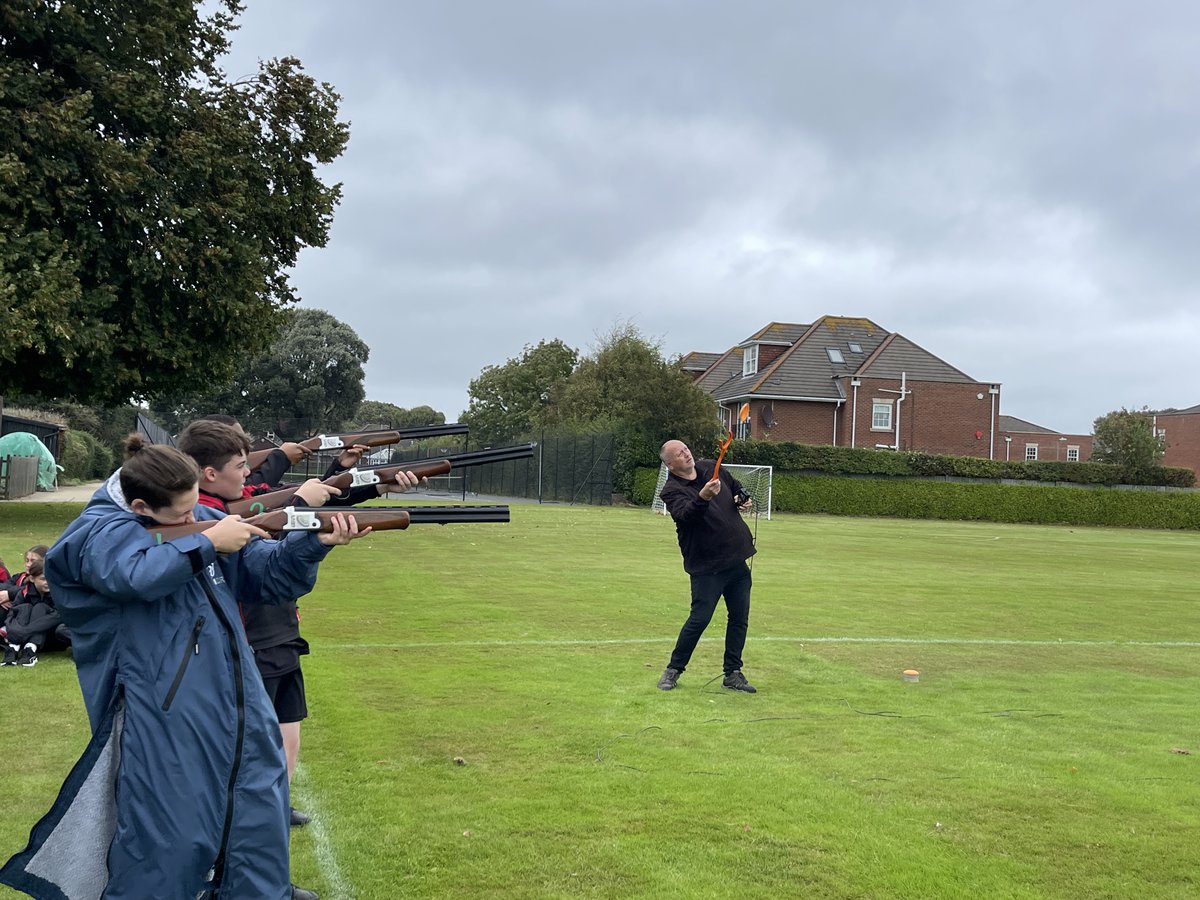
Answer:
(755, 479)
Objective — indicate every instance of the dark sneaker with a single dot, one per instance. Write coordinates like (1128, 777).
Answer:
(669, 679)
(736, 681)
(299, 819)
(299, 893)
(10, 656)
(27, 657)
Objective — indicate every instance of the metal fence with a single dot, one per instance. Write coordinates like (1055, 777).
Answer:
(153, 432)
(569, 469)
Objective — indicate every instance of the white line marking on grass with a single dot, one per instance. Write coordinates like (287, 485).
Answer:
(1000, 642)
(326, 858)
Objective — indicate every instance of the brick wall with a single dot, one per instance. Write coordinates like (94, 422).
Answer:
(803, 423)
(1050, 447)
(935, 417)
(1183, 439)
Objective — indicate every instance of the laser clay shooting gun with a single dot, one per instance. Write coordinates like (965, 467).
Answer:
(256, 458)
(355, 478)
(379, 438)
(379, 518)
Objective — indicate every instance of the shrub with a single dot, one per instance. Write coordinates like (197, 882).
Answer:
(789, 457)
(644, 482)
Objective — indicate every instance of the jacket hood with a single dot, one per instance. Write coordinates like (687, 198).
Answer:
(111, 494)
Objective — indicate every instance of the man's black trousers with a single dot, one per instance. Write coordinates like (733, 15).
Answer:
(732, 583)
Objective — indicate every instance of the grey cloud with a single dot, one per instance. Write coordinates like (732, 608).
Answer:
(1011, 185)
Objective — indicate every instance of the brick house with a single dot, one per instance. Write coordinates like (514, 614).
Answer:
(1023, 440)
(1180, 429)
(850, 383)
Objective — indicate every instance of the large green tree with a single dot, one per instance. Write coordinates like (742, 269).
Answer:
(1126, 438)
(150, 207)
(507, 402)
(626, 386)
(309, 380)
(626, 383)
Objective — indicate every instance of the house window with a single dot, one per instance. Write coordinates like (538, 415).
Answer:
(750, 360)
(1072, 453)
(881, 415)
(835, 355)
(1031, 451)
(856, 348)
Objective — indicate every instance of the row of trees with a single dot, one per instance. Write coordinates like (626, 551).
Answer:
(309, 380)
(624, 386)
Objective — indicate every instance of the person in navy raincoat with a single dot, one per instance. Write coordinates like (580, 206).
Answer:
(183, 788)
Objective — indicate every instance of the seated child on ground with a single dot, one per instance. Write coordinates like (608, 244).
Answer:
(33, 623)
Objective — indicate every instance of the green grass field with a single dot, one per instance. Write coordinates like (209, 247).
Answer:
(1037, 756)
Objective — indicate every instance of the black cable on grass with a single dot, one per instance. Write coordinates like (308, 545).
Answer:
(883, 713)
(600, 750)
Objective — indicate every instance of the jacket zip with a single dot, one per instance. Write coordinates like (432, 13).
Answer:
(240, 690)
(193, 649)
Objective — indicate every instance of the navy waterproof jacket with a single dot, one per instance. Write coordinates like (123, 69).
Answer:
(184, 782)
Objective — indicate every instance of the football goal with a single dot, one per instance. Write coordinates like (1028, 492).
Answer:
(755, 479)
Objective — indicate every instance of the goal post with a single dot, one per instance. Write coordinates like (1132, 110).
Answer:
(757, 480)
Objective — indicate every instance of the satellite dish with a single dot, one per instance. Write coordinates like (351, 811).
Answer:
(767, 414)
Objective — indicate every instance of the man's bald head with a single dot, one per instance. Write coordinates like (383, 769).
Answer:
(678, 459)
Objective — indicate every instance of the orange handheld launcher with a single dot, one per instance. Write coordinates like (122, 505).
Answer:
(743, 415)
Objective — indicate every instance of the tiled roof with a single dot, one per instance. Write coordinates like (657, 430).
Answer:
(900, 355)
(698, 362)
(1012, 423)
(1190, 411)
(779, 331)
(808, 369)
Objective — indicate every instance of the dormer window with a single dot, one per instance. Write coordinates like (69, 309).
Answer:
(750, 360)
(835, 355)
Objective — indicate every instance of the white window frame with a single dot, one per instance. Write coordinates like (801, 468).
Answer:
(750, 360)
(1031, 452)
(877, 407)
(1072, 453)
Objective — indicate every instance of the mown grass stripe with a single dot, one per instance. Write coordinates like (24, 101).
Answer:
(585, 642)
(338, 887)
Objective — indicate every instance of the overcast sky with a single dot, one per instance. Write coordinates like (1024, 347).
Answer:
(1014, 186)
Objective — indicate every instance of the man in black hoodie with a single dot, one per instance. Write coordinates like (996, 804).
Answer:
(715, 543)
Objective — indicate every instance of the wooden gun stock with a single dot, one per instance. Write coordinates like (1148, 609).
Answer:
(256, 458)
(422, 468)
(379, 518)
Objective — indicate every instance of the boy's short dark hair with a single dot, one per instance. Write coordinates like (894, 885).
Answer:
(212, 443)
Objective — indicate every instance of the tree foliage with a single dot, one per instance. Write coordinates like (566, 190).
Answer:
(627, 384)
(375, 413)
(1126, 438)
(509, 401)
(150, 207)
(309, 380)
(627, 387)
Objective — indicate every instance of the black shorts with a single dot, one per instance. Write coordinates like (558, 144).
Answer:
(287, 696)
